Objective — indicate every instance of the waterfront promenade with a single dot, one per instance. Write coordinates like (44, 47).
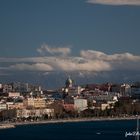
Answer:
(73, 120)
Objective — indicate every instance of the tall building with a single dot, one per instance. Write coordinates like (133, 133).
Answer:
(125, 90)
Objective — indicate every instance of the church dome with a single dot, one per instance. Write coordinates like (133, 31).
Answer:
(69, 82)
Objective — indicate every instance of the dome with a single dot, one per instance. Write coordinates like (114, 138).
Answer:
(68, 82)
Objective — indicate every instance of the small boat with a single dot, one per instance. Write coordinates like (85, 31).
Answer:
(6, 126)
(98, 133)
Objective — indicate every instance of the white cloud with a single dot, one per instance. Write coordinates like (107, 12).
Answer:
(89, 60)
(62, 64)
(115, 2)
(91, 54)
(32, 67)
(124, 61)
(79, 64)
(27, 59)
(54, 50)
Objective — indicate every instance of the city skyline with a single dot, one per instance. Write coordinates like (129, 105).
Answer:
(45, 41)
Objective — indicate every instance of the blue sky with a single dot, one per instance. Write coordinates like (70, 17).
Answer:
(85, 36)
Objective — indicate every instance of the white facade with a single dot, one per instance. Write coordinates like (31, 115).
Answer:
(125, 90)
(80, 104)
(104, 106)
(3, 106)
(34, 113)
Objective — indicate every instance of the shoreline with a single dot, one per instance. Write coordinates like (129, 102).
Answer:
(71, 120)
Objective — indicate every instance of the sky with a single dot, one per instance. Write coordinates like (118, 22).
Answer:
(45, 41)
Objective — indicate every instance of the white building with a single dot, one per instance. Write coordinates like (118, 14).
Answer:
(0, 86)
(80, 104)
(104, 106)
(125, 90)
(34, 113)
(3, 106)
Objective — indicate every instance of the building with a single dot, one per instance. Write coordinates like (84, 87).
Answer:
(3, 106)
(125, 90)
(105, 106)
(19, 105)
(68, 107)
(13, 94)
(7, 88)
(29, 102)
(25, 113)
(35, 103)
(69, 83)
(39, 103)
(0, 86)
(75, 90)
(80, 104)
(105, 98)
(115, 88)
(135, 91)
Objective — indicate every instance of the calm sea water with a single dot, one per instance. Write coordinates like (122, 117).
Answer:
(99, 130)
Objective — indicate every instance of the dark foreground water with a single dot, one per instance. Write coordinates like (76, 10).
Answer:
(98, 130)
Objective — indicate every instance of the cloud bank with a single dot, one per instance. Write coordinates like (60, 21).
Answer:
(115, 2)
(54, 50)
(31, 67)
(88, 60)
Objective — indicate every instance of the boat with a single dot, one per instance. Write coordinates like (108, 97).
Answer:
(98, 133)
(6, 126)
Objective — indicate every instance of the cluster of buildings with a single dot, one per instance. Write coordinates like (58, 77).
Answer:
(97, 96)
(29, 101)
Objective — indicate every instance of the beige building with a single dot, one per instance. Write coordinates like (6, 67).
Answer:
(35, 103)
(15, 106)
(14, 94)
(39, 103)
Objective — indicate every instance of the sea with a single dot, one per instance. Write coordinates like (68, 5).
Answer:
(92, 130)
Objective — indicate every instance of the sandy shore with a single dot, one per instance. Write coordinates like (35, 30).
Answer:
(75, 120)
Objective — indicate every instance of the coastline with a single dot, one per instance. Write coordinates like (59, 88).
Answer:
(6, 126)
(71, 120)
